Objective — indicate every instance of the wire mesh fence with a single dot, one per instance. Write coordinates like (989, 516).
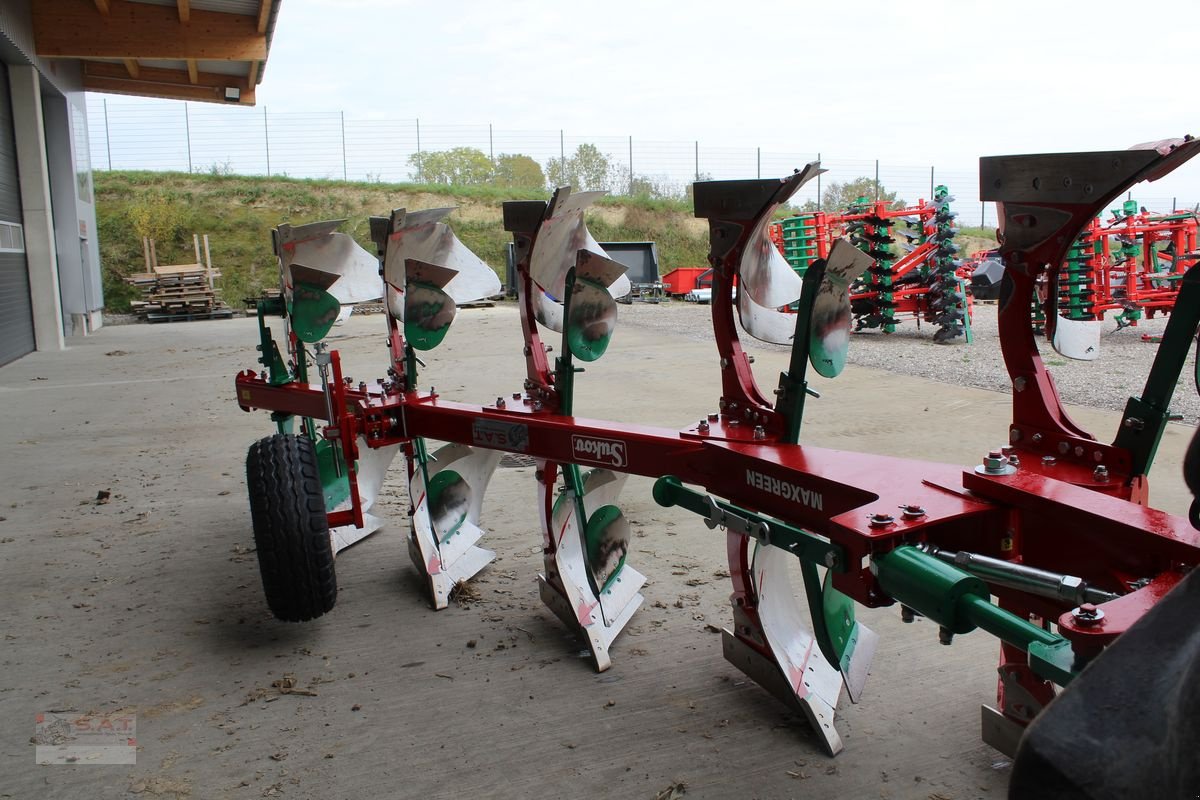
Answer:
(192, 137)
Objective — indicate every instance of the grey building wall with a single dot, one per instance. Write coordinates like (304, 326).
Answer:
(68, 163)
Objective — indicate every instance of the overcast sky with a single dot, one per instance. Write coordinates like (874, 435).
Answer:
(905, 82)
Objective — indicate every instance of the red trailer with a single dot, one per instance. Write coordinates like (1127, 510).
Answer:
(681, 280)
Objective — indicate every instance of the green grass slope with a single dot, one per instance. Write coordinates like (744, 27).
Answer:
(237, 212)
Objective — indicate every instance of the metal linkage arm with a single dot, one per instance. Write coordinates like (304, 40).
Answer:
(958, 601)
(669, 491)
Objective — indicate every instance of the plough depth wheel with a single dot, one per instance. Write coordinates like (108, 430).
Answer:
(291, 530)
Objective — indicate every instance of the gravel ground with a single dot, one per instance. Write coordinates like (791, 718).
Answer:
(1119, 372)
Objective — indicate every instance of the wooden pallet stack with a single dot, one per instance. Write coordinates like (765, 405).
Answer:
(178, 292)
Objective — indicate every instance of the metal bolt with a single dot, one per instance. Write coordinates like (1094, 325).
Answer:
(759, 432)
(362, 387)
(912, 511)
(713, 417)
(994, 463)
(703, 427)
(1037, 438)
(1063, 447)
(1133, 423)
(1070, 587)
(1097, 456)
(945, 635)
(724, 363)
(1078, 451)
(1049, 461)
(1019, 384)
(1100, 473)
(537, 405)
(1087, 615)
(1014, 460)
(907, 614)
(882, 520)
(516, 395)
(1014, 435)
(500, 402)
(432, 392)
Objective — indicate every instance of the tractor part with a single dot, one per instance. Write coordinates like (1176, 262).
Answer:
(423, 236)
(739, 214)
(428, 307)
(316, 255)
(291, 531)
(771, 641)
(736, 211)
(830, 315)
(587, 582)
(561, 235)
(370, 471)
(446, 490)
(1085, 746)
(1043, 202)
(1044, 583)
(958, 602)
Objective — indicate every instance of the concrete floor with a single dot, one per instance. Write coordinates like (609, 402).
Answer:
(151, 603)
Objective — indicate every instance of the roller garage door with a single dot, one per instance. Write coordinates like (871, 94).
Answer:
(16, 311)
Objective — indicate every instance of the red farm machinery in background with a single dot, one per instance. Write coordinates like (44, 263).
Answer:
(916, 270)
(1095, 591)
(1131, 263)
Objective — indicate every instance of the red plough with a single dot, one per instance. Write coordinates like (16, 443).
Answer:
(1054, 525)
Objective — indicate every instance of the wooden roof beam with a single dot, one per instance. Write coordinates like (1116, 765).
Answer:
(201, 94)
(71, 29)
(185, 10)
(102, 7)
(264, 15)
(169, 77)
(193, 71)
(132, 67)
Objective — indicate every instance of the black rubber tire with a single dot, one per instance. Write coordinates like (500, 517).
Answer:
(291, 530)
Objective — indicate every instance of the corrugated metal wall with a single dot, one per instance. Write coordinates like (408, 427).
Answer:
(16, 313)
